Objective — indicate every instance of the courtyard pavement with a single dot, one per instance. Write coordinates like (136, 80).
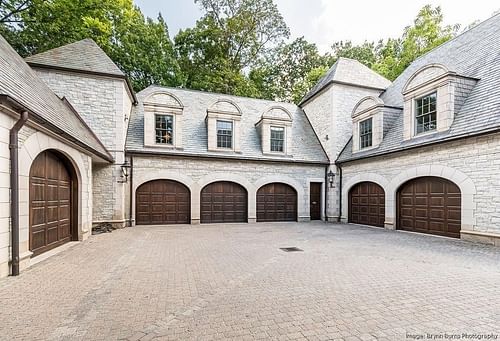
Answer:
(233, 282)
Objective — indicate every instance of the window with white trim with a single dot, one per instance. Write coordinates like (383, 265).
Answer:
(224, 134)
(164, 127)
(425, 113)
(277, 139)
(365, 133)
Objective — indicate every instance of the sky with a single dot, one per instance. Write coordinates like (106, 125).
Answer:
(326, 21)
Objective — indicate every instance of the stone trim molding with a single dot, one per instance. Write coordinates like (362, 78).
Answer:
(367, 177)
(30, 149)
(467, 189)
(301, 210)
(195, 187)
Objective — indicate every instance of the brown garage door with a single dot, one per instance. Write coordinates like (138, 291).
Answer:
(51, 190)
(367, 204)
(430, 205)
(163, 202)
(224, 202)
(276, 202)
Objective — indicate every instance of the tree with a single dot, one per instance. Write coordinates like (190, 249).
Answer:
(364, 53)
(11, 9)
(284, 72)
(426, 33)
(140, 46)
(216, 54)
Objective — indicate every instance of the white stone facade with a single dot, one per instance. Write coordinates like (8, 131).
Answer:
(197, 173)
(330, 115)
(105, 104)
(33, 141)
(472, 164)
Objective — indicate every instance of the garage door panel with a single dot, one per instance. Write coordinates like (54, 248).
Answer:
(163, 202)
(223, 202)
(434, 207)
(280, 203)
(367, 204)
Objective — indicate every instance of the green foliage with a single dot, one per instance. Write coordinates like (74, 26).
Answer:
(142, 48)
(225, 43)
(283, 74)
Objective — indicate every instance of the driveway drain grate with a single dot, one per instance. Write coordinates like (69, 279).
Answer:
(291, 249)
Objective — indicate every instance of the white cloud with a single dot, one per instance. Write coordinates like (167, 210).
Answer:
(326, 21)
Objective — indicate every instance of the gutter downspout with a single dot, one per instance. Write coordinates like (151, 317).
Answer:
(326, 193)
(14, 189)
(131, 189)
(340, 193)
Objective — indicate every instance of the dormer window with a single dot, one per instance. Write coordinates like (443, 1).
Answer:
(365, 133)
(224, 134)
(164, 129)
(278, 139)
(275, 129)
(223, 126)
(163, 120)
(425, 114)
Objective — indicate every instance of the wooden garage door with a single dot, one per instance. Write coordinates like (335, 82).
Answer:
(367, 204)
(276, 202)
(163, 202)
(50, 202)
(430, 205)
(224, 202)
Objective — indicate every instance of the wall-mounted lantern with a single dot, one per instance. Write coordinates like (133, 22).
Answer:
(125, 172)
(331, 178)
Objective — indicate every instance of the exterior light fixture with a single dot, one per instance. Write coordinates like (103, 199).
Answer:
(125, 172)
(331, 178)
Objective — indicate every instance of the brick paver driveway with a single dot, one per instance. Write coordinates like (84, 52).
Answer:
(232, 282)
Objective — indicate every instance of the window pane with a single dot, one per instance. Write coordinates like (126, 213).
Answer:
(425, 113)
(224, 134)
(365, 133)
(164, 128)
(277, 139)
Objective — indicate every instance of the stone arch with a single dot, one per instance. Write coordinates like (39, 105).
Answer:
(424, 74)
(277, 112)
(364, 177)
(238, 179)
(366, 104)
(302, 208)
(35, 144)
(225, 106)
(164, 98)
(466, 185)
(141, 178)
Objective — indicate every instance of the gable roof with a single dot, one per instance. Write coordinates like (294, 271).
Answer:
(348, 71)
(475, 54)
(84, 55)
(20, 85)
(306, 146)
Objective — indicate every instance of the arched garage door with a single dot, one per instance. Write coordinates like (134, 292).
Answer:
(53, 198)
(367, 204)
(163, 202)
(276, 202)
(430, 205)
(224, 202)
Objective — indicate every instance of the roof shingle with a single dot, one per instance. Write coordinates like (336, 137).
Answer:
(475, 54)
(84, 55)
(20, 83)
(306, 146)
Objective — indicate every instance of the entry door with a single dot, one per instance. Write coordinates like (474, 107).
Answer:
(315, 201)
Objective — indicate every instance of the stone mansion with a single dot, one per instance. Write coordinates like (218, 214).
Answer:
(79, 148)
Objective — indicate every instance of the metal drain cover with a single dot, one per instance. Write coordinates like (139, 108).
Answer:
(291, 249)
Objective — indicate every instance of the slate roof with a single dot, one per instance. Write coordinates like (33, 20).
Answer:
(84, 55)
(476, 54)
(306, 146)
(18, 82)
(349, 71)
